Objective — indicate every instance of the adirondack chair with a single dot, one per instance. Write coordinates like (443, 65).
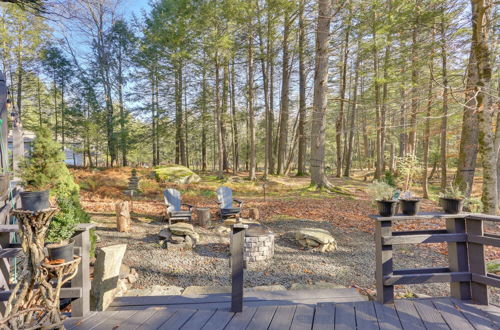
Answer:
(225, 201)
(172, 199)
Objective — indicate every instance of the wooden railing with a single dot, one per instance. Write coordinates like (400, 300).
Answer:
(78, 292)
(466, 241)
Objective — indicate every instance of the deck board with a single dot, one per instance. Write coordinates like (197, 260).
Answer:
(241, 320)
(157, 319)
(387, 317)
(366, 317)
(178, 319)
(345, 316)
(303, 318)
(408, 315)
(218, 321)
(283, 317)
(430, 313)
(453, 317)
(324, 317)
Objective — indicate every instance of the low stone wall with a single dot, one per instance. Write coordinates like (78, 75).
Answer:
(259, 245)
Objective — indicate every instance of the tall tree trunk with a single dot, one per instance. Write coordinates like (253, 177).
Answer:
(427, 129)
(123, 134)
(235, 135)
(339, 125)
(204, 121)
(179, 117)
(318, 177)
(301, 157)
(285, 101)
(412, 143)
(354, 107)
(251, 116)
(444, 120)
(480, 48)
(378, 122)
(467, 154)
(218, 121)
(225, 95)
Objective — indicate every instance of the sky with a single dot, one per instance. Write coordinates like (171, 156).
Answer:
(135, 7)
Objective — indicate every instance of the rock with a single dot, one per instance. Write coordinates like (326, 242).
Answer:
(165, 233)
(181, 228)
(201, 290)
(315, 286)
(177, 239)
(223, 230)
(253, 213)
(156, 290)
(124, 271)
(316, 238)
(276, 287)
(121, 288)
(106, 276)
(230, 222)
(175, 173)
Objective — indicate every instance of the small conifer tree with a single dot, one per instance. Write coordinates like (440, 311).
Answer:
(45, 169)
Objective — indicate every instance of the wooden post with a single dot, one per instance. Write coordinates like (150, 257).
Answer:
(479, 291)
(458, 259)
(253, 213)
(4, 127)
(203, 215)
(122, 216)
(81, 306)
(237, 241)
(383, 262)
(4, 268)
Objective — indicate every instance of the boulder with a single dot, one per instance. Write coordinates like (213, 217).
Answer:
(185, 229)
(316, 238)
(175, 173)
(105, 284)
(165, 234)
(223, 230)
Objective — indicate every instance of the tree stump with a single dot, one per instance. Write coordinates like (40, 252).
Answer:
(122, 217)
(253, 213)
(203, 215)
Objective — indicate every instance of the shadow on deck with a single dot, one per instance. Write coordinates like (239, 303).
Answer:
(304, 309)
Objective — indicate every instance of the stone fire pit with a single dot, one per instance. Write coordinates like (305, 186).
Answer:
(259, 244)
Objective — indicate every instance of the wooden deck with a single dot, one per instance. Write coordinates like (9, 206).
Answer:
(289, 310)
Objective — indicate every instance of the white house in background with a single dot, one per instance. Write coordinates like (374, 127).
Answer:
(72, 158)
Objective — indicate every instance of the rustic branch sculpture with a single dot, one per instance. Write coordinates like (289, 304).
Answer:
(34, 302)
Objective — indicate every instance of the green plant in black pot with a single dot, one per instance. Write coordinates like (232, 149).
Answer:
(384, 195)
(61, 230)
(452, 200)
(410, 205)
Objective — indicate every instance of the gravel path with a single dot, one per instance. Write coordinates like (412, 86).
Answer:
(353, 263)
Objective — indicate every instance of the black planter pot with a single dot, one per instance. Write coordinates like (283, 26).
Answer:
(35, 200)
(4, 183)
(452, 205)
(387, 208)
(410, 206)
(61, 250)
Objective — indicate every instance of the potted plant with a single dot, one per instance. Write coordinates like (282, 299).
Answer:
(34, 199)
(408, 167)
(452, 200)
(409, 205)
(59, 236)
(384, 194)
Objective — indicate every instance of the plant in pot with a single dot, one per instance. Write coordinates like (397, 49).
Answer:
(384, 195)
(408, 168)
(452, 200)
(59, 236)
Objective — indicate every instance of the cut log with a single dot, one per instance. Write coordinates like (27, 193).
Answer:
(253, 213)
(122, 216)
(203, 215)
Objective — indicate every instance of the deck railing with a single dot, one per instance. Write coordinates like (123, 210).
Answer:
(78, 291)
(466, 241)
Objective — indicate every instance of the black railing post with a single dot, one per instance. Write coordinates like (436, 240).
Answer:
(479, 291)
(383, 262)
(458, 258)
(237, 263)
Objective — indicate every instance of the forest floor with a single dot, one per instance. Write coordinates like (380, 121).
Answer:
(285, 204)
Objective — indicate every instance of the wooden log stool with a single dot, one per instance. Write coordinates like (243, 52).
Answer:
(204, 218)
(122, 216)
(253, 213)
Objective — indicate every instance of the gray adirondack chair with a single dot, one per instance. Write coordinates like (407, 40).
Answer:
(172, 199)
(225, 201)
